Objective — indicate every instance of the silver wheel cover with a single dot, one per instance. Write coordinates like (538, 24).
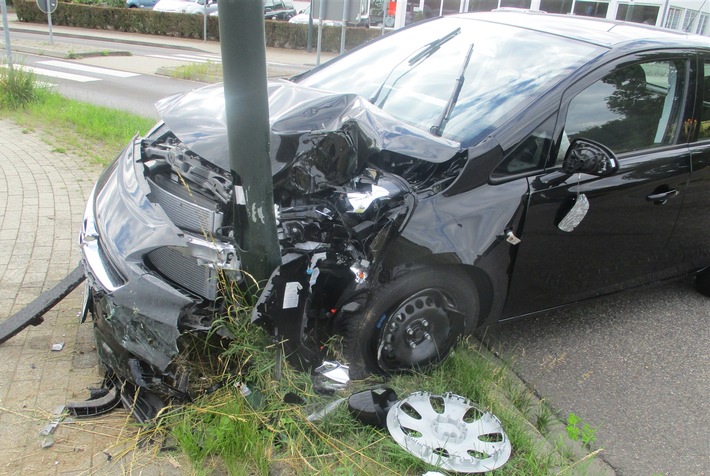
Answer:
(449, 439)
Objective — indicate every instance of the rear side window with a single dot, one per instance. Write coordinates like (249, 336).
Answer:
(635, 107)
(704, 132)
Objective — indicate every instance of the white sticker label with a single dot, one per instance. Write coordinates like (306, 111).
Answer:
(291, 295)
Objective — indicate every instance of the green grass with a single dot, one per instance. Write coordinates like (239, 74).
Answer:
(208, 72)
(226, 431)
(93, 132)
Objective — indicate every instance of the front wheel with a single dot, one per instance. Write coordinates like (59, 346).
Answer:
(409, 323)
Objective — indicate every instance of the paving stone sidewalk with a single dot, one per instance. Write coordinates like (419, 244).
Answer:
(42, 196)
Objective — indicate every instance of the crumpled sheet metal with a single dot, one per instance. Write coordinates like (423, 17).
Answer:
(449, 439)
(297, 115)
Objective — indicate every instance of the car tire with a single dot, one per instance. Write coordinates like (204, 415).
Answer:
(408, 323)
(702, 282)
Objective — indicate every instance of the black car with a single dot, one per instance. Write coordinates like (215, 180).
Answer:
(279, 10)
(459, 172)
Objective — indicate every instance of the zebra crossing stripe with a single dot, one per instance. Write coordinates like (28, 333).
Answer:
(89, 69)
(58, 74)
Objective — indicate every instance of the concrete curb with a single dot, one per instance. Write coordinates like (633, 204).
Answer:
(54, 52)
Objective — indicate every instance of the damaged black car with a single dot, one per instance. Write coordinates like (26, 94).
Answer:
(459, 172)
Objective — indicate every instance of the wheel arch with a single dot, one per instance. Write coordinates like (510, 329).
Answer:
(480, 279)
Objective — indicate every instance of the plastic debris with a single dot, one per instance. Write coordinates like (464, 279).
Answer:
(47, 439)
(371, 406)
(327, 409)
(330, 376)
(58, 346)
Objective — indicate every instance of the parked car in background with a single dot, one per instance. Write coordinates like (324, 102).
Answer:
(141, 3)
(302, 18)
(186, 6)
(455, 173)
(279, 10)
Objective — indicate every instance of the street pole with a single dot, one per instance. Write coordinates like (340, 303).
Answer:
(321, 14)
(6, 30)
(242, 42)
(343, 28)
(204, 22)
(49, 20)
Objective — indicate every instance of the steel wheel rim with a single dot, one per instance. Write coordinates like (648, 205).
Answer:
(419, 331)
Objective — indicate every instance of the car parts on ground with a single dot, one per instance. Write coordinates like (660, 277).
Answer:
(449, 432)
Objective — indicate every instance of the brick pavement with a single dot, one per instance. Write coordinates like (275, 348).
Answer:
(42, 196)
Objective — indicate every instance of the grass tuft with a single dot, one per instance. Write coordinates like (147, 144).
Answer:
(18, 87)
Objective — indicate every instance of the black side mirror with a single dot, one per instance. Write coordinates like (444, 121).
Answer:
(589, 157)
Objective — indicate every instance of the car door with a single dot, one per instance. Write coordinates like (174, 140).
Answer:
(690, 242)
(634, 107)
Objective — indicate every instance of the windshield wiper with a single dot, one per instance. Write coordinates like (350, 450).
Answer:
(438, 128)
(432, 47)
(427, 51)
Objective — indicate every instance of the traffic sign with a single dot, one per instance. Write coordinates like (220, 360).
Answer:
(47, 6)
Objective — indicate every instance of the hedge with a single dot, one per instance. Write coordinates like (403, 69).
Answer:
(279, 34)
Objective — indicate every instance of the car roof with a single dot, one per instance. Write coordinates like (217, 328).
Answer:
(597, 31)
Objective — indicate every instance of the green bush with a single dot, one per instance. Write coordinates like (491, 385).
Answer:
(279, 34)
(99, 3)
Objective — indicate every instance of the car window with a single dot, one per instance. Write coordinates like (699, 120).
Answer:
(412, 74)
(530, 154)
(704, 132)
(635, 107)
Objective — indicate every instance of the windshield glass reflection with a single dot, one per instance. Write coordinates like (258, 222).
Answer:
(508, 68)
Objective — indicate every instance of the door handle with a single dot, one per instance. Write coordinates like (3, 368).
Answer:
(661, 197)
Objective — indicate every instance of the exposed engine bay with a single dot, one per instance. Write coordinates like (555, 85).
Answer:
(336, 213)
(161, 230)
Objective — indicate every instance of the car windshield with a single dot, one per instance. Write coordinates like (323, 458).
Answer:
(413, 74)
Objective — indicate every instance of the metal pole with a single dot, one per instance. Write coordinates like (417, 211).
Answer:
(321, 14)
(49, 19)
(204, 27)
(243, 45)
(309, 38)
(6, 30)
(346, 12)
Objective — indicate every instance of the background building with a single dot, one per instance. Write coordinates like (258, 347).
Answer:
(692, 16)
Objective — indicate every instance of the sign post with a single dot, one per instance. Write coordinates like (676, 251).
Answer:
(48, 7)
(6, 30)
(334, 10)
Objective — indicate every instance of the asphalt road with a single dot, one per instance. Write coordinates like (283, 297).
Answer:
(137, 93)
(635, 366)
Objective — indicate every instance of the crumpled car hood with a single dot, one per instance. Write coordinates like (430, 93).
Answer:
(198, 119)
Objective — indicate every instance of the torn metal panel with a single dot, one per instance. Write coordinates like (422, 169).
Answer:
(297, 114)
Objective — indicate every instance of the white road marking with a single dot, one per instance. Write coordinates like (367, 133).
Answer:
(89, 69)
(58, 74)
(214, 59)
(188, 58)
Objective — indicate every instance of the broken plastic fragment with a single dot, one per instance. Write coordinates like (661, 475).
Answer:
(331, 376)
(57, 347)
(361, 201)
(576, 214)
(359, 269)
(47, 439)
(371, 406)
(325, 410)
